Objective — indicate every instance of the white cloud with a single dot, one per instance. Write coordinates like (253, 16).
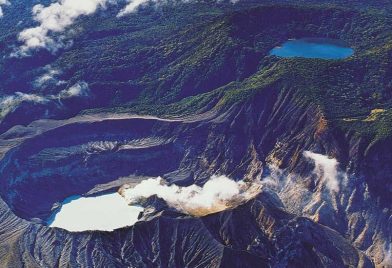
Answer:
(57, 17)
(48, 76)
(3, 3)
(10, 103)
(131, 7)
(326, 169)
(54, 18)
(80, 89)
(217, 194)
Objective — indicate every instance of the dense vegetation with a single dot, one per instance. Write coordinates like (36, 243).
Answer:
(163, 61)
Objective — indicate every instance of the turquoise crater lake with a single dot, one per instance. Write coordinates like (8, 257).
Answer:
(313, 48)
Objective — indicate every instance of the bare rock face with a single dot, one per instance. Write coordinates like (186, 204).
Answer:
(259, 233)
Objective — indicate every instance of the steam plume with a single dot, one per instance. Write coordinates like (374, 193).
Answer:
(387, 262)
(217, 194)
(326, 169)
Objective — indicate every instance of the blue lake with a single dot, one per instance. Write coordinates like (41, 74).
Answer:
(314, 48)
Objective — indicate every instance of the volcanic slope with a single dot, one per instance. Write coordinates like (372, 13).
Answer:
(199, 89)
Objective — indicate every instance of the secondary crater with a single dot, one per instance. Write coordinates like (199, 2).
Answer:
(313, 48)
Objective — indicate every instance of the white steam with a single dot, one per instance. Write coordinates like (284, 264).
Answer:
(54, 18)
(3, 3)
(387, 261)
(217, 194)
(326, 169)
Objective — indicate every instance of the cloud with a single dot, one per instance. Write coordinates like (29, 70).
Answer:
(80, 89)
(131, 7)
(54, 18)
(326, 169)
(217, 194)
(57, 17)
(3, 3)
(48, 77)
(10, 103)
